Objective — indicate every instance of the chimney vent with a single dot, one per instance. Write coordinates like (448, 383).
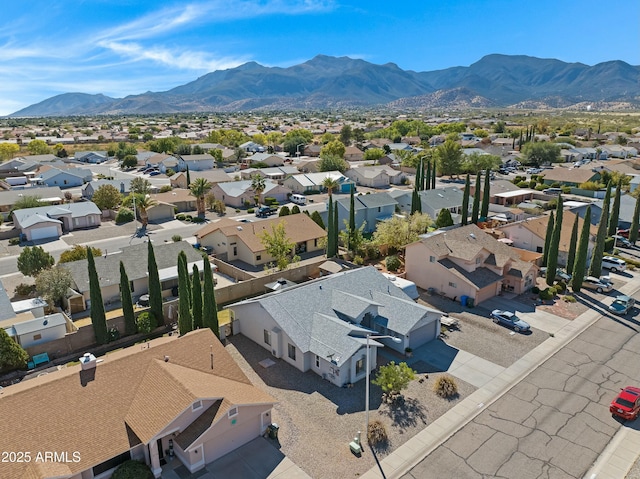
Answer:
(166, 359)
(87, 361)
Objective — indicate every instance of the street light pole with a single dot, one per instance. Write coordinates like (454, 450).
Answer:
(298, 149)
(366, 406)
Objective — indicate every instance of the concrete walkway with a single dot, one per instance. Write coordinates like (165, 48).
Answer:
(612, 462)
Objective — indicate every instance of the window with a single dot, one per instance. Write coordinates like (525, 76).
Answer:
(453, 285)
(258, 257)
(432, 259)
(292, 351)
(478, 260)
(267, 337)
(196, 405)
(235, 251)
(317, 361)
(359, 365)
(315, 243)
(379, 209)
(233, 411)
(36, 337)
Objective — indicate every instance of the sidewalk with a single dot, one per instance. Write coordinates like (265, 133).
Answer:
(615, 461)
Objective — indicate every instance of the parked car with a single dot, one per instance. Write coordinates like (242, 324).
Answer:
(621, 241)
(591, 282)
(622, 305)
(552, 191)
(154, 173)
(625, 233)
(627, 404)
(560, 275)
(265, 211)
(508, 318)
(614, 264)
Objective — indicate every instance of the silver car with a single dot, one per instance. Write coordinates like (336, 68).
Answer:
(591, 282)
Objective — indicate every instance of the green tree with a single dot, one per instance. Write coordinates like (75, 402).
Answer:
(595, 268)
(12, 356)
(196, 298)
(155, 287)
(475, 210)
(52, 284)
(140, 185)
(398, 232)
(127, 302)
(571, 255)
(373, 154)
(426, 184)
(185, 320)
(444, 218)
(333, 148)
(28, 202)
(295, 144)
(8, 151)
(38, 147)
(98, 317)
(393, 378)
(279, 246)
(615, 212)
(258, 185)
(315, 216)
(552, 258)
(465, 201)
(141, 203)
(579, 266)
(346, 133)
(484, 210)
(331, 245)
(332, 163)
(635, 223)
(295, 210)
(107, 197)
(33, 260)
(284, 211)
(547, 239)
(449, 157)
(209, 306)
(540, 153)
(199, 188)
(352, 221)
(129, 161)
(330, 184)
(77, 253)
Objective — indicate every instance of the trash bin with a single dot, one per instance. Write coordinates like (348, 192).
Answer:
(470, 302)
(273, 431)
(464, 300)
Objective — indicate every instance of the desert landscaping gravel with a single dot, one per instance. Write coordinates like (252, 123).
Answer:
(317, 420)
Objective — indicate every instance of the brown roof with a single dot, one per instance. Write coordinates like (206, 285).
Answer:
(298, 228)
(568, 175)
(133, 394)
(175, 195)
(157, 158)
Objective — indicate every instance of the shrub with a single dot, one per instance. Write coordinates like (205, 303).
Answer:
(548, 293)
(560, 287)
(132, 470)
(608, 243)
(535, 290)
(176, 238)
(125, 215)
(269, 200)
(377, 433)
(165, 188)
(523, 184)
(180, 216)
(14, 241)
(146, 322)
(569, 298)
(251, 210)
(392, 263)
(24, 289)
(197, 219)
(358, 260)
(188, 217)
(446, 387)
(114, 334)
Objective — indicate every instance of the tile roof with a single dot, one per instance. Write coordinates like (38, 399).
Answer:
(132, 394)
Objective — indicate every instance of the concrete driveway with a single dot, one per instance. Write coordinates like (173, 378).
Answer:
(547, 322)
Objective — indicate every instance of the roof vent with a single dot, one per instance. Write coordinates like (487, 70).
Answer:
(239, 228)
(166, 359)
(471, 235)
(88, 361)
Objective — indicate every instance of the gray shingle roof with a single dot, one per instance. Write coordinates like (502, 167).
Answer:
(480, 278)
(38, 324)
(8, 198)
(76, 210)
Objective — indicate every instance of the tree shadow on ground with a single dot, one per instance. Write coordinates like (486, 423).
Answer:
(405, 413)
(603, 310)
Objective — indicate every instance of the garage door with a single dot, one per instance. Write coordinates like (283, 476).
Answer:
(422, 335)
(41, 233)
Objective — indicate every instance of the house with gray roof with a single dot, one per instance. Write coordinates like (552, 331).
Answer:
(370, 209)
(306, 182)
(450, 198)
(123, 186)
(8, 198)
(199, 162)
(239, 193)
(134, 258)
(322, 325)
(376, 176)
(67, 178)
(91, 156)
(45, 222)
(267, 158)
(275, 173)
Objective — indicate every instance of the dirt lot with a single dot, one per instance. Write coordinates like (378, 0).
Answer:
(318, 420)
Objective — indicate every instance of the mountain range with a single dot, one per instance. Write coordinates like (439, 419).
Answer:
(341, 82)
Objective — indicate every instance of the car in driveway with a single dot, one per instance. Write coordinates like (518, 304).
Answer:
(622, 305)
(597, 284)
(627, 404)
(560, 275)
(614, 264)
(509, 319)
(621, 241)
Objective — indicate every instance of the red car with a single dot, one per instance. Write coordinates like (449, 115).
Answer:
(627, 404)
(625, 233)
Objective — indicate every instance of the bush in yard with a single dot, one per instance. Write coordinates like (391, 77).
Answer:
(569, 298)
(14, 241)
(197, 219)
(535, 290)
(358, 260)
(132, 470)
(180, 217)
(146, 322)
(251, 210)
(560, 287)
(176, 238)
(125, 215)
(377, 433)
(393, 378)
(548, 293)
(446, 387)
(392, 263)
(24, 289)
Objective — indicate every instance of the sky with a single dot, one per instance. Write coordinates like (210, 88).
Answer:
(125, 47)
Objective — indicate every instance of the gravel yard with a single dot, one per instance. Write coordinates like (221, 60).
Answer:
(318, 420)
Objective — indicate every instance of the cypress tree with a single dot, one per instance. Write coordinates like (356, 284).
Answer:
(433, 176)
(419, 173)
(127, 302)
(520, 141)
(155, 289)
(476, 202)
(330, 246)
(552, 258)
(579, 266)
(196, 298)
(595, 268)
(615, 212)
(571, 255)
(336, 230)
(317, 219)
(209, 306)
(465, 201)
(547, 239)
(185, 320)
(484, 212)
(415, 201)
(98, 317)
(352, 220)
(633, 233)
(606, 207)
(427, 182)
(188, 177)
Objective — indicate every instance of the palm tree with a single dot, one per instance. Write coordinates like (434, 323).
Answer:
(141, 203)
(199, 188)
(258, 185)
(330, 184)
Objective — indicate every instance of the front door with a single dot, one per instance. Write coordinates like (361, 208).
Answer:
(161, 453)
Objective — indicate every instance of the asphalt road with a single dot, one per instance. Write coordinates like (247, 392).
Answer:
(553, 424)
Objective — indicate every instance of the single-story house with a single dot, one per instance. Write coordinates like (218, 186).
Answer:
(161, 212)
(450, 198)
(91, 156)
(466, 261)
(352, 153)
(232, 240)
(369, 209)
(267, 158)
(134, 258)
(322, 325)
(123, 186)
(39, 330)
(306, 182)
(569, 176)
(181, 198)
(276, 173)
(252, 147)
(239, 193)
(163, 162)
(213, 176)
(197, 162)
(376, 176)
(67, 178)
(17, 167)
(182, 398)
(8, 198)
(503, 192)
(52, 221)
